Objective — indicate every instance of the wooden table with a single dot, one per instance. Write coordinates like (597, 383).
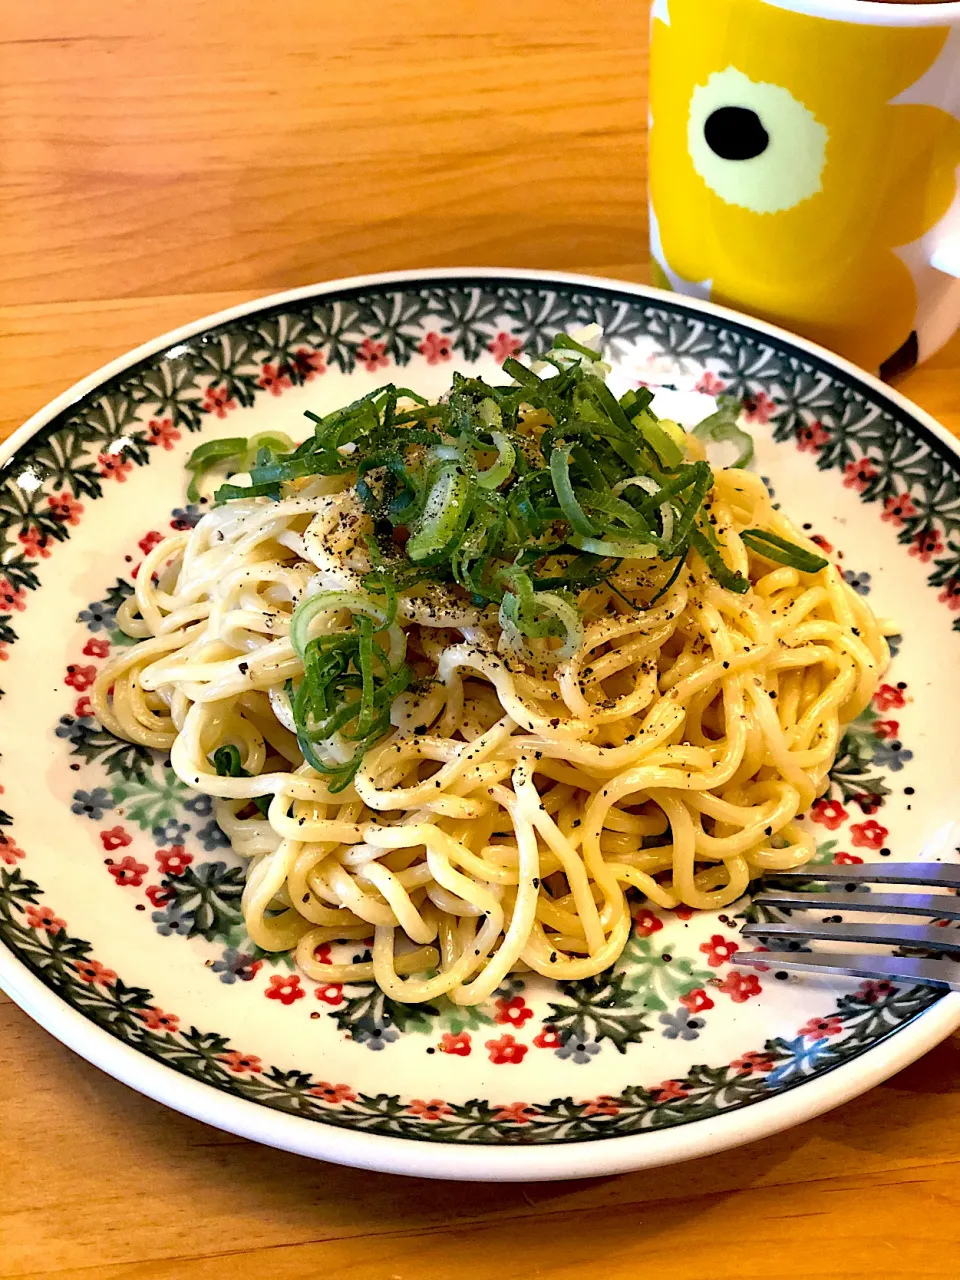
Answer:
(160, 159)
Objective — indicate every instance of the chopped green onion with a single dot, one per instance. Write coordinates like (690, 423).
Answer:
(444, 518)
(555, 512)
(560, 473)
(206, 456)
(520, 373)
(495, 475)
(669, 453)
(563, 342)
(607, 547)
(717, 565)
(724, 426)
(773, 547)
(226, 761)
(634, 402)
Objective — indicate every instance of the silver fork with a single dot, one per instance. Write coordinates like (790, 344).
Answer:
(931, 875)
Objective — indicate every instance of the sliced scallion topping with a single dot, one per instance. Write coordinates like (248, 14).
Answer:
(226, 761)
(444, 516)
(776, 548)
(518, 496)
(724, 425)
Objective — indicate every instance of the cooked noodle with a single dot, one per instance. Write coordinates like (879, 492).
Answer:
(503, 821)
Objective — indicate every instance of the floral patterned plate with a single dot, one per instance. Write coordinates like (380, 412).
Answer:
(120, 927)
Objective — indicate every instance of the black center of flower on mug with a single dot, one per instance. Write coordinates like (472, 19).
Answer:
(735, 133)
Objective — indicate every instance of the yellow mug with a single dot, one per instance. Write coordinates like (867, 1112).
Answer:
(804, 166)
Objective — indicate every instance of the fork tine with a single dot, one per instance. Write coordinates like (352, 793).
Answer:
(941, 874)
(891, 935)
(934, 973)
(941, 905)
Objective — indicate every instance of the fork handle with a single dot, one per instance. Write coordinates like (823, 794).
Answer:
(885, 935)
(942, 874)
(943, 974)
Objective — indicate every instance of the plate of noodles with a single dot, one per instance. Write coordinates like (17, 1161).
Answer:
(408, 682)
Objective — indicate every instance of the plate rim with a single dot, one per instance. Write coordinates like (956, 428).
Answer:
(602, 1156)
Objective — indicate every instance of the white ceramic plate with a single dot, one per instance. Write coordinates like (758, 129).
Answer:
(119, 923)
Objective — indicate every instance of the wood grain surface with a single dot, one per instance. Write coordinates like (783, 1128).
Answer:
(159, 161)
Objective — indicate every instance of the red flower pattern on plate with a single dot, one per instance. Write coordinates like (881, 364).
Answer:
(80, 678)
(458, 1044)
(162, 431)
(128, 871)
(548, 1038)
(218, 400)
(812, 437)
(858, 475)
(754, 1063)
(889, 697)
(239, 1063)
(645, 923)
(605, 1105)
(719, 950)
(321, 953)
(950, 595)
(868, 835)
(274, 378)
(513, 1012)
(759, 408)
(710, 384)
(515, 1113)
(331, 993)
(843, 859)
(157, 1020)
(886, 728)
(506, 1050)
(683, 912)
(35, 542)
(696, 1001)
(869, 803)
(669, 1091)
(65, 508)
(872, 992)
(926, 544)
(285, 989)
(740, 987)
(503, 346)
(149, 541)
(96, 647)
(897, 508)
(173, 861)
(431, 1110)
(830, 813)
(373, 355)
(10, 853)
(308, 364)
(333, 1093)
(11, 597)
(115, 838)
(93, 971)
(819, 1028)
(44, 918)
(114, 466)
(159, 894)
(436, 347)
